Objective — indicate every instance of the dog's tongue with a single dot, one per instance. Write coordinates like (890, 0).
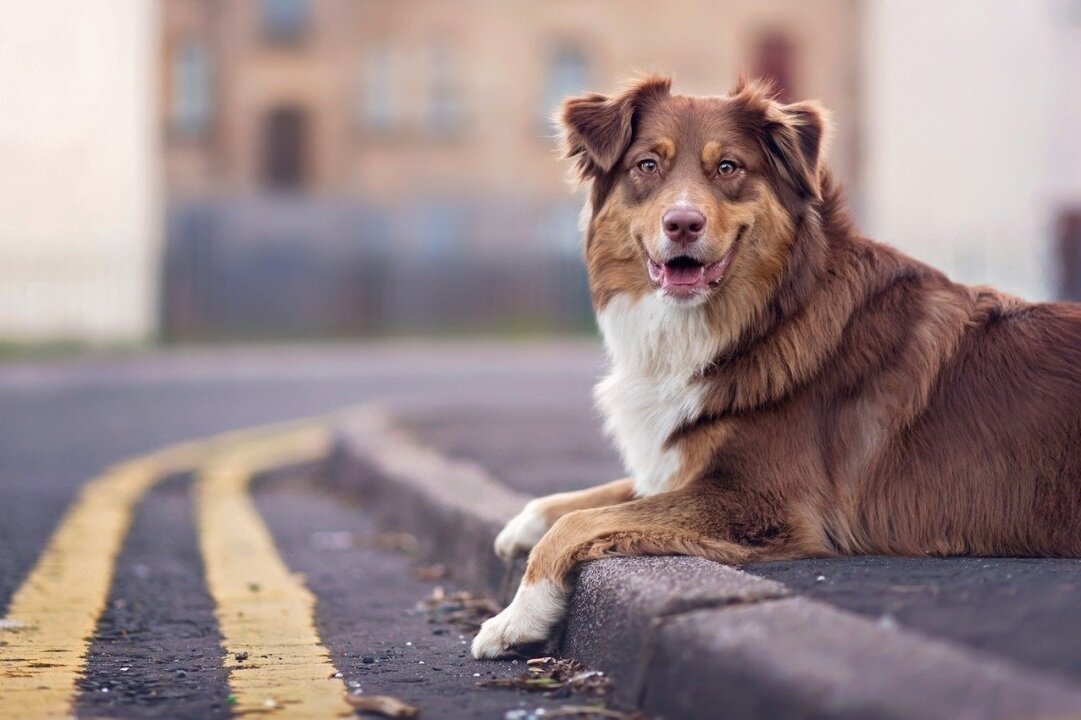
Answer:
(685, 278)
(688, 275)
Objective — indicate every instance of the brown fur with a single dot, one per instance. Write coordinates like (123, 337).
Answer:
(553, 507)
(863, 402)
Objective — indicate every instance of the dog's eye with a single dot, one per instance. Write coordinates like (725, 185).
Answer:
(727, 167)
(647, 166)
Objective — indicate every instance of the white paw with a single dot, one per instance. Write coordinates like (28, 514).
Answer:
(530, 617)
(522, 532)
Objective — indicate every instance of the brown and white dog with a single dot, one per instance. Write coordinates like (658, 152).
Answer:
(780, 386)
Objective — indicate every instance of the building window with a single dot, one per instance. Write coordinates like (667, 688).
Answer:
(568, 74)
(443, 230)
(285, 149)
(562, 231)
(379, 106)
(285, 21)
(444, 103)
(191, 89)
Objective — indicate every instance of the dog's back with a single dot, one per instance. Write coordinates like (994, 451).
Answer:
(993, 465)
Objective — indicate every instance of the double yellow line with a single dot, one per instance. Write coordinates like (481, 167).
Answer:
(276, 660)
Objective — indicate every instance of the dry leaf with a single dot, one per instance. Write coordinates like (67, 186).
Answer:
(385, 705)
(463, 609)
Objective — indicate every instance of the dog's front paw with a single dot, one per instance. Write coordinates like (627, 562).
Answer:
(498, 637)
(530, 617)
(522, 532)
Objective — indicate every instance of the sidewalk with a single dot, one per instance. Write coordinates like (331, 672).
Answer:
(683, 637)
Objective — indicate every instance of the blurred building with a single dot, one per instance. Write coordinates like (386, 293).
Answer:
(385, 100)
(347, 167)
(357, 165)
(972, 127)
(79, 170)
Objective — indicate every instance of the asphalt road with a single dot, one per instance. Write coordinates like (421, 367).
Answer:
(522, 411)
(157, 651)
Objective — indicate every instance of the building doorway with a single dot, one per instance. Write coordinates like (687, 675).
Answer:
(286, 140)
(1068, 230)
(775, 60)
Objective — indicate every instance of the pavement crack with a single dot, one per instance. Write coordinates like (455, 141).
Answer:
(682, 606)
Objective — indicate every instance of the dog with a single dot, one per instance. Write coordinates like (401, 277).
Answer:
(781, 387)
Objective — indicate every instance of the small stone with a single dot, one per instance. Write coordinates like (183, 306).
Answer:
(332, 540)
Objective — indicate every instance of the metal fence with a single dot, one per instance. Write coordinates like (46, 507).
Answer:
(295, 267)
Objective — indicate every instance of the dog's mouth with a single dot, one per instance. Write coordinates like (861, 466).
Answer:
(685, 276)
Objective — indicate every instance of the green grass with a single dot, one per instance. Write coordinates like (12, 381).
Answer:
(519, 329)
(56, 349)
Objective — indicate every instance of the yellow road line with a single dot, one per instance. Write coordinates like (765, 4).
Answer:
(51, 618)
(50, 622)
(277, 663)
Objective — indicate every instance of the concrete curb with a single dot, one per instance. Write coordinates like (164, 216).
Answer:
(453, 507)
(684, 634)
(684, 637)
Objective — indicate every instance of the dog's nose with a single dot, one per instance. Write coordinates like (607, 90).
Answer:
(683, 225)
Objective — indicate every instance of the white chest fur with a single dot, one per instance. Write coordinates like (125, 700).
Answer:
(656, 349)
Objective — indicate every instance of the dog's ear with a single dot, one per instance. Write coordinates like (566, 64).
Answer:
(598, 128)
(797, 137)
(793, 136)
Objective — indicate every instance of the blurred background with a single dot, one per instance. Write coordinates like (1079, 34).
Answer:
(207, 170)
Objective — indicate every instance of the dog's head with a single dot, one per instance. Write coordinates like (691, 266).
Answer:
(692, 197)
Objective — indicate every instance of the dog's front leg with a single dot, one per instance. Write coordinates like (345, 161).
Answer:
(527, 527)
(674, 523)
